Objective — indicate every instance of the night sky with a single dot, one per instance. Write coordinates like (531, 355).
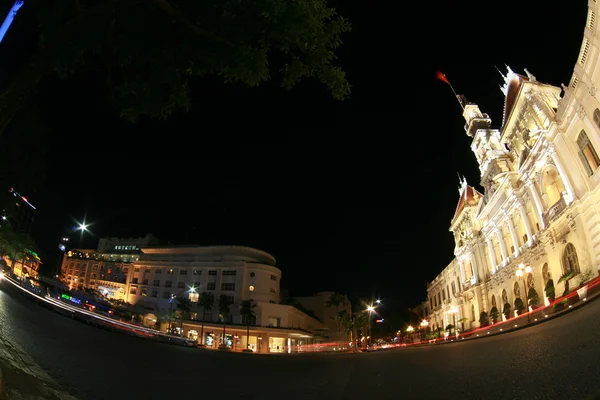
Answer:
(354, 197)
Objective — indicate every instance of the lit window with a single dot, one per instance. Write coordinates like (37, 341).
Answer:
(597, 117)
(587, 153)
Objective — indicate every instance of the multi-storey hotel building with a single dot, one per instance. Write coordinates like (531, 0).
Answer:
(162, 275)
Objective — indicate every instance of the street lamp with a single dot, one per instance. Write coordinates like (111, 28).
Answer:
(171, 311)
(423, 325)
(61, 247)
(370, 309)
(522, 272)
(453, 311)
(83, 227)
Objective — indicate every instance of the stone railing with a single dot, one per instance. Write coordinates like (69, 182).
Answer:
(553, 212)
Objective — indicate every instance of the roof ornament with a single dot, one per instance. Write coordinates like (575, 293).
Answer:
(463, 183)
(507, 78)
(530, 75)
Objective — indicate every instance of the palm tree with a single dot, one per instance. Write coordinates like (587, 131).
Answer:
(224, 304)
(359, 320)
(247, 312)
(205, 302)
(337, 300)
(184, 305)
(338, 319)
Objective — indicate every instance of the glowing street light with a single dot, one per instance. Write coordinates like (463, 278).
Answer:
(522, 272)
(410, 328)
(83, 227)
(378, 301)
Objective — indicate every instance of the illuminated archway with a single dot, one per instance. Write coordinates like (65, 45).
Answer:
(553, 186)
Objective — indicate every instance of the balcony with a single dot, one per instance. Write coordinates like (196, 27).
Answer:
(554, 212)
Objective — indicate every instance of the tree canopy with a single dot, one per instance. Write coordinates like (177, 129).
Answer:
(146, 52)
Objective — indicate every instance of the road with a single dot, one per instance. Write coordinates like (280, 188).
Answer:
(559, 359)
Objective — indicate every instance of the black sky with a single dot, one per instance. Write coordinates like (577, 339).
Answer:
(354, 197)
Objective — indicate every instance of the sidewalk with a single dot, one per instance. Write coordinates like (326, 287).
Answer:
(535, 317)
(22, 378)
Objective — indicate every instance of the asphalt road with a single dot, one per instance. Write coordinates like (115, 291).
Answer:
(559, 359)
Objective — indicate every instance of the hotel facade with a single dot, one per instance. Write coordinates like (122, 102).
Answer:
(538, 207)
(164, 274)
(155, 280)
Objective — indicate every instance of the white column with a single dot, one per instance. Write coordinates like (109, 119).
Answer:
(474, 268)
(513, 235)
(500, 237)
(539, 207)
(526, 222)
(491, 255)
(563, 175)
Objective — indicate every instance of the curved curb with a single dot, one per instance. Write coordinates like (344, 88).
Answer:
(518, 328)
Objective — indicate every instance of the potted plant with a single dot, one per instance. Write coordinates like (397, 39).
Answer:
(566, 277)
(584, 277)
(506, 310)
(483, 319)
(494, 315)
(533, 298)
(519, 306)
(550, 290)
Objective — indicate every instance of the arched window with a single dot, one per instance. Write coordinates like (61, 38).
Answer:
(468, 270)
(587, 153)
(553, 186)
(546, 273)
(504, 297)
(494, 301)
(517, 290)
(597, 117)
(570, 262)
(473, 312)
(530, 281)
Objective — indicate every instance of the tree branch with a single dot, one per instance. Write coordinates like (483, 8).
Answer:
(189, 25)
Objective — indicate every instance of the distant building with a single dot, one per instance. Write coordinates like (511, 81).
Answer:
(106, 268)
(318, 305)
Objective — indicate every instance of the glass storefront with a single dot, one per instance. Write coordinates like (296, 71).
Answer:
(277, 345)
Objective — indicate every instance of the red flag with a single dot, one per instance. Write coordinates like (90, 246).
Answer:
(439, 75)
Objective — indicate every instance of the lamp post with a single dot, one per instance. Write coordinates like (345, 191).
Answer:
(423, 325)
(410, 330)
(171, 311)
(522, 272)
(453, 311)
(370, 309)
(61, 247)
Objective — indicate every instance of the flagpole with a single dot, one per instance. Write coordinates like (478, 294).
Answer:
(457, 98)
(442, 77)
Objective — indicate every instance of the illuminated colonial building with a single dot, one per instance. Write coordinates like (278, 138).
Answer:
(539, 205)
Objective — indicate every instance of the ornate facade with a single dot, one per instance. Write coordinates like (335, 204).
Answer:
(540, 204)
